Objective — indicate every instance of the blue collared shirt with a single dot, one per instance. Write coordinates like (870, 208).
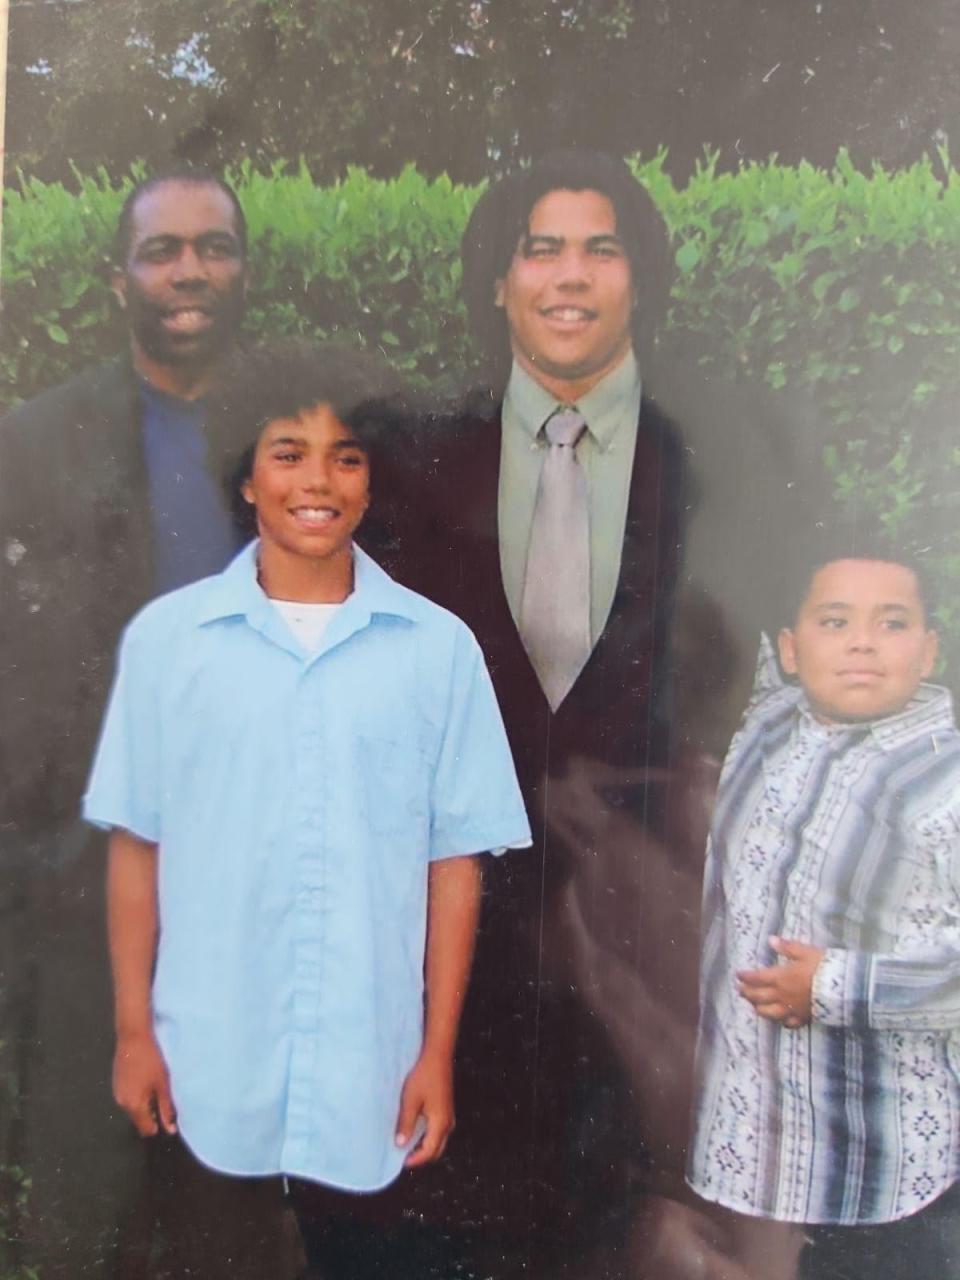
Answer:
(297, 800)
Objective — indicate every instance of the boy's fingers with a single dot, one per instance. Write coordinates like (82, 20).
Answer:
(752, 977)
(145, 1122)
(431, 1145)
(165, 1108)
(410, 1107)
(759, 995)
(776, 1012)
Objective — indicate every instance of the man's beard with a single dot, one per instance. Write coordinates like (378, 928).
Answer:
(186, 350)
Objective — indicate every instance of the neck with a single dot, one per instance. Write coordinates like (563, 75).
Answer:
(566, 389)
(189, 382)
(284, 576)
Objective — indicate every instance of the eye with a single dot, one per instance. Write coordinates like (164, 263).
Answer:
(833, 623)
(156, 253)
(287, 455)
(219, 249)
(895, 624)
(352, 460)
(539, 249)
(607, 251)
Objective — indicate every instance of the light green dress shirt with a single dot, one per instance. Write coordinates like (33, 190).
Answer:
(605, 451)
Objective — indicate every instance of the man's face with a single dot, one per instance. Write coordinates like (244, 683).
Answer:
(568, 294)
(184, 279)
(860, 644)
(310, 485)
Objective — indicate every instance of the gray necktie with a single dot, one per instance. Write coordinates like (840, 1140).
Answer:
(555, 607)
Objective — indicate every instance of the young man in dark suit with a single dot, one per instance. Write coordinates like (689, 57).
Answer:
(555, 517)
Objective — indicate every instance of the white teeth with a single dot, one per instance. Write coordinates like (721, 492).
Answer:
(188, 320)
(568, 313)
(315, 515)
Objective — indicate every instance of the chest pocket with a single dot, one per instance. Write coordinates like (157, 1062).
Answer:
(395, 777)
(868, 871)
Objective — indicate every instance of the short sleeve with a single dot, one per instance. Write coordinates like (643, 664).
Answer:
(476, 803)
(124, 785)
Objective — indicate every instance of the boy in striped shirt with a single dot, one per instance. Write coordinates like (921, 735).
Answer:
(828, 1088)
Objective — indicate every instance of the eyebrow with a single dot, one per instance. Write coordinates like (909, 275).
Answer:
(302, 441)
(593, 242)
(845, 604)
(168, 238)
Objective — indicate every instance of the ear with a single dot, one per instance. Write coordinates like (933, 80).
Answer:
(787, 650)
(931, 647)
(118, 286)
(498, 290)
(246, 491)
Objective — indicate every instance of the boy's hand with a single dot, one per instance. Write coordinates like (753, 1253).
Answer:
(427, 1092)
(782, 992)
(141, 1084)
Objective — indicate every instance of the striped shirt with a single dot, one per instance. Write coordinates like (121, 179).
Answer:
(846, 837)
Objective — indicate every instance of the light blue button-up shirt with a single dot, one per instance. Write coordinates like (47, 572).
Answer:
(297, 800)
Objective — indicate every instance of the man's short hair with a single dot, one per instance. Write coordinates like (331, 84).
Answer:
(189, 175)
(502, 216)
(852, 540)
(286, 377)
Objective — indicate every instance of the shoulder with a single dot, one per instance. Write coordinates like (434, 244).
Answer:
(767, 710)
(98, 394)
(434, 620)
(465, 423)
(933, 784)
(160, 621)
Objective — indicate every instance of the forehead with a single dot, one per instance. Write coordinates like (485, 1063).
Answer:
(573, 215)
(182, 209)
(864, 584)
(318, 425)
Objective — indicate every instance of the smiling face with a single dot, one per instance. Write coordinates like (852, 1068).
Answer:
(860, 644)
(310, 485)
(568, 293)
(184, 279)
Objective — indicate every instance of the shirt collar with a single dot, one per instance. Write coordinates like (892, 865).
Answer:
(237, 593)
(530, 405)
(930, 710)
(152, 395)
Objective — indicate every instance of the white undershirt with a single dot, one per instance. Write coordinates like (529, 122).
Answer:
(308, 622)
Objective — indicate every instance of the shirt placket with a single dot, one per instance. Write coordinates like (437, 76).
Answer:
(311, 903)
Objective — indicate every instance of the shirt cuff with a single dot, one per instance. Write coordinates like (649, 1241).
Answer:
(840, 996)
(495, 838)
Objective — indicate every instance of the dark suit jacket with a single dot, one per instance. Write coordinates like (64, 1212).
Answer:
(75, 565)
(576, 1055)
(536, 1069)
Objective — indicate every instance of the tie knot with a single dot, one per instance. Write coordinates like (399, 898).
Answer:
(565, 427)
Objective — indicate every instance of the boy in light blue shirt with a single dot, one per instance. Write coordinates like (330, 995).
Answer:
(299, 761)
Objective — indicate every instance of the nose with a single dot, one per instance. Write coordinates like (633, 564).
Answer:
(189, 268)
(573, 269)
(316, 475)
(860, 638)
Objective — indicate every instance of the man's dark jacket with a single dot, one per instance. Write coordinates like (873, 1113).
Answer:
(75, 565)
(577, 1048)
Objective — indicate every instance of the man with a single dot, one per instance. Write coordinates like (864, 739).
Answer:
(559, 523)
(108, 495)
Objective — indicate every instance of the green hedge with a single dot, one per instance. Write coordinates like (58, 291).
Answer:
(840, 285)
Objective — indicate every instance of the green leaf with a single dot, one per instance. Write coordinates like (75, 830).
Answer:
(58, 334)
(688, 256)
